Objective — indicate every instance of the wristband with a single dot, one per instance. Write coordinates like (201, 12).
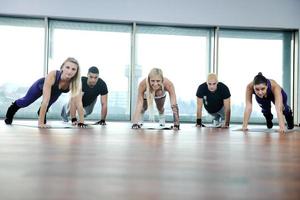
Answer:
(199, 121)
(74, 119)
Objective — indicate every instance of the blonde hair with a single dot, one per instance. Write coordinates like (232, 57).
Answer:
(150, 93)
(75, 82)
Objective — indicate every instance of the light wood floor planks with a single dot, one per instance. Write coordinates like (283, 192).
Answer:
(116, 162)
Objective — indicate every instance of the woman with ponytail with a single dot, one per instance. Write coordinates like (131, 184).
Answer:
(267, 91)
(154, 88)
(51, 87)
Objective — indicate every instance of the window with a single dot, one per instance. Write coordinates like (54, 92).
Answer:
(106, 46)
(22, 61)
(182, 54)
(242, 54)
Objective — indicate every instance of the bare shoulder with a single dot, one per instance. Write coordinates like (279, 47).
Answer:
(51, 73)
(50, 78)
(142, 85)
(168, 84)
(250, 86)
(274, 84)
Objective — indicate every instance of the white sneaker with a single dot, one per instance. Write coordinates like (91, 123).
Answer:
(162, 120)
(216, 124)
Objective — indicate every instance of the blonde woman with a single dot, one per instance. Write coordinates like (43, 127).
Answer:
(154, 88)
(51, 87)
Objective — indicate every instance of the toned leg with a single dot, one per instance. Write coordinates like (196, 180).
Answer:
(160, 107)
(34, 92)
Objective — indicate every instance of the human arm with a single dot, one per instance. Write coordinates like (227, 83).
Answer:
(248, 107)
(199, 112)
(49, 81)
(276, 89)
(227, 111)
(173, 101)
(73, 108)
(79, 107)
(103, 102)
(139, 104)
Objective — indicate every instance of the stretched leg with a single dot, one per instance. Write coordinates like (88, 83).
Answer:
(266, 110)
(32, 95)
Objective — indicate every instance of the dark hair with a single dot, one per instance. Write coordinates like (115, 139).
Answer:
(93, 70)
(259, 79)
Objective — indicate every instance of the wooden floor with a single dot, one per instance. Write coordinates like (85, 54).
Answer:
(116, 162)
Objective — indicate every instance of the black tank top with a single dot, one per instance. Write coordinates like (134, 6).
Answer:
(55, 90)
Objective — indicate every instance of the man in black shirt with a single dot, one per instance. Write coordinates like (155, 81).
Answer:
(216, 99)
(92, 87)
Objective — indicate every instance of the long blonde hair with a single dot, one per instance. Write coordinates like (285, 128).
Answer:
(75, 82)
(150, 93)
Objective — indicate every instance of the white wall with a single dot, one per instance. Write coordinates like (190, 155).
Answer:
(237, 13)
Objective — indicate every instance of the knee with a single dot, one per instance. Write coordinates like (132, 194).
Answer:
(287, 111)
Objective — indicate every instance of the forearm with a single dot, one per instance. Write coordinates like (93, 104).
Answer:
(227, 116)
(247, 114)
(199, 114)
(137, 113)
(103, 112)
(72, 110)
(199, 108)
(199, 117)
(280, 118)
(42, 113)
(175, 110)
(81, 114)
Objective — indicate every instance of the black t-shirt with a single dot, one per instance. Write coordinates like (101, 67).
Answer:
(91, 94)
(213, 101)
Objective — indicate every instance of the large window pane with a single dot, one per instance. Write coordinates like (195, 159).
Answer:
(182, 54)
(22, 58)
(242, 54)
(106, 46)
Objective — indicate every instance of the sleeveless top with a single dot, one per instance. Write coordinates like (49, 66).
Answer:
(156, 97)
(55, 87)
